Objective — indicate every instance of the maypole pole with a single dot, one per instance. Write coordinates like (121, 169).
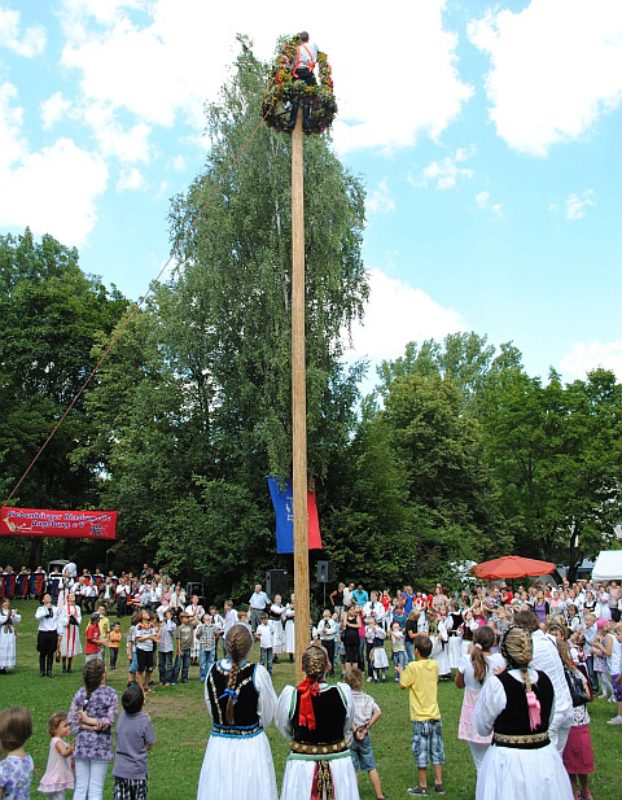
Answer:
(295, 102)
(299, 399)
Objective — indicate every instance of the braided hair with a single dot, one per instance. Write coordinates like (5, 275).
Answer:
(238, 642)
(483, 640)
(93, 673)
(315, 661)
(517, 649)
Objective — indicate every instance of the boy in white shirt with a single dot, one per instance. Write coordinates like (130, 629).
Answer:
(265, 636)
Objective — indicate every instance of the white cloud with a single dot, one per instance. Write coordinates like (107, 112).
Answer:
(446, 173)
(586, 356)
(556, 66)
(576, 205)
(179, 163)
(162, 65)
(131, 180)
(380, 201)
(30, 43)
(483, 202)
(54, 109)
(53, 190)
(396, 314)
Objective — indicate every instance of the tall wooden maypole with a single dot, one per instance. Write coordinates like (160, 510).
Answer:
(285, 91)
(299, 399)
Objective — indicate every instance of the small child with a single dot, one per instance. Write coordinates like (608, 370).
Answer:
(398, 648)
(146, 637)
(244, 620)
(114, 642)
(578, 754)
(265, 635)
(366, 713)
(132, 659)
(17, 768)
(421, 679)
(378, 661)
(206, 637)
(183, 641)
(135, 737)
(58, 775)
(93, 639)
(104, 631)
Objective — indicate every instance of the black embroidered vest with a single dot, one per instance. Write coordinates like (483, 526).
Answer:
(245, 707)
(514, 719)
(330, 715)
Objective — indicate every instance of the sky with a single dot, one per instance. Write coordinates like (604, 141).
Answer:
(487, 136)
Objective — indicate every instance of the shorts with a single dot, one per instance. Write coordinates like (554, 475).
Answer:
(145, 660)
(130, 789)
(362, 755)
(427, 742)
(617, 688)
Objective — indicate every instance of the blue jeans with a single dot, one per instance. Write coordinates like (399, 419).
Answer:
(182, 663)
(165, 666)
(410, 650)
(399, 660)
(206, 659)
(265, 658)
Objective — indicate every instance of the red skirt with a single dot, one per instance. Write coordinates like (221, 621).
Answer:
(578, 755)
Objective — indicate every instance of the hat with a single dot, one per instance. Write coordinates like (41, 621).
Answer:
(94, 616)
(601, 623)
(184, 614)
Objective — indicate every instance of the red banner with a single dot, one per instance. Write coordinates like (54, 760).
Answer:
(69, 524)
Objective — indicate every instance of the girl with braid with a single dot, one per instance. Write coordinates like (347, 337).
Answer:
(471, 675)
(317, 719)
(516, 707)
(241, 701)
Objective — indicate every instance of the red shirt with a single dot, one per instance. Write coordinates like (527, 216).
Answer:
(92, 639)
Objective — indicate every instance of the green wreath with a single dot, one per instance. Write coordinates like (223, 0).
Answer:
(284, 90)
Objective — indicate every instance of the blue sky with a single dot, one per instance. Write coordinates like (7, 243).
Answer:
(487, 137)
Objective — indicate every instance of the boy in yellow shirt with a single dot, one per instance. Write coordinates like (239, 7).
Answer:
(420, 677)
(104, 630)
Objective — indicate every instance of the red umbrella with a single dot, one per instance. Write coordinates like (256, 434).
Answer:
(511, 567)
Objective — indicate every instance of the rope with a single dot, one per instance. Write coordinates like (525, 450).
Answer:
(120, 329)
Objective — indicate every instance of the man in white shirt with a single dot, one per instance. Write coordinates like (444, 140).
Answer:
(546, 658)
(48, 640)
(259, 602)
(373, 608)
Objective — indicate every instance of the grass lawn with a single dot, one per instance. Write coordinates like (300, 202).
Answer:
(182, 726)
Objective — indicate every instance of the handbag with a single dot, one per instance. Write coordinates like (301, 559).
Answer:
(580, 696)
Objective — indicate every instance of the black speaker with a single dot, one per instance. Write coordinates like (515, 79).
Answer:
(324, 572)
(277, 582)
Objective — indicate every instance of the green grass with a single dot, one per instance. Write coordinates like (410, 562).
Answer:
(182, 726)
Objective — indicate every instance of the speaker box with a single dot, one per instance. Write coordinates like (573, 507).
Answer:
(324, 572)
(277, 582)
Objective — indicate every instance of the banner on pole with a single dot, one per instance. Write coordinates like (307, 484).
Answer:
(68, 524)
(282, 500)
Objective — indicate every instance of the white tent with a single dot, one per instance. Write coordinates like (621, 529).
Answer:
(608, 566)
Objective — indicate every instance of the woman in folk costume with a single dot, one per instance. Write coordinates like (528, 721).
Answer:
(290, 627)
(275, 613)
(70, 619)
(241, 701)
(8, 650)
(316, 718)
(516, 706)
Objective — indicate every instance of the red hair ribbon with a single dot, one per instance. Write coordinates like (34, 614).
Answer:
(306, 715)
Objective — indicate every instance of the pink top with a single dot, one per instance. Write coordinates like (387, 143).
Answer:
(58, 775)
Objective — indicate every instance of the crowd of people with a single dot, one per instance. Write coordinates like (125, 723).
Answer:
(528, 662)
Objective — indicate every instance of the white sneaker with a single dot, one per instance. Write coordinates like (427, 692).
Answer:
(611, 700)
(615, 721)
(369, 680)
(602, 697)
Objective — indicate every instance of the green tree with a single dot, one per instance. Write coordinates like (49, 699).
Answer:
(51, 314)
